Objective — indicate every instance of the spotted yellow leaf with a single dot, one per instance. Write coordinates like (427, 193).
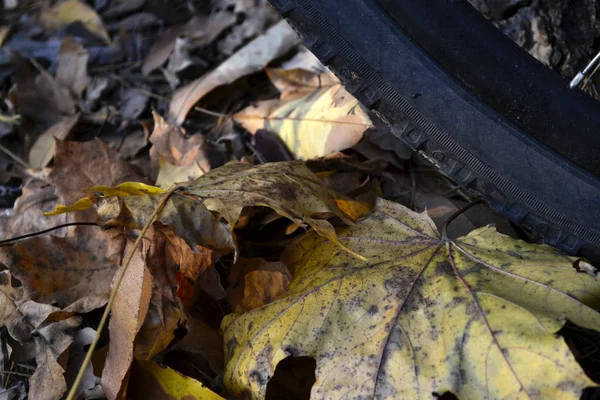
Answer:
(476, 316)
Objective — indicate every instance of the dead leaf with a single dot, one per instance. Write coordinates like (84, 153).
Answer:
(46, 342)
(77, 352)
(72, 272)
(133, 103)
(325, 121)
(476, 316)
(201, 29)
(72, 66)
(9, 298)
(169, 174)
(68, 11)
(78, 165)
(204, 340)
(251, 58)
(42, 151)
(169, 255)
(194, 211)
(180, 257)
(162, 47)
(170, 146)
(297, 83)
(158, 330)
(128, 314)
(254, 282)
(47, 382)
(150, 381)
(38, 97)
(255, 17)
(301, 75)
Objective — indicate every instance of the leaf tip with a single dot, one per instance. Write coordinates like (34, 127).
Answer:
(81, 204)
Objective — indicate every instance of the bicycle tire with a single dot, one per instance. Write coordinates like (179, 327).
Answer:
(405, 62)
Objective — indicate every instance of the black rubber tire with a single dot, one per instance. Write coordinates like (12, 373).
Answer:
(486, 113)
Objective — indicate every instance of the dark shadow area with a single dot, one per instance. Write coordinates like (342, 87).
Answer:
(293, 379)
(585, 345)
(445, 396)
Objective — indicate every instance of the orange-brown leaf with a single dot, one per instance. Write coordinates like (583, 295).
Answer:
(128, 314)
(72, 272)
(254, 282)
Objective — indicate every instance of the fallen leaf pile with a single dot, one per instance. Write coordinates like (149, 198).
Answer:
(298, 253)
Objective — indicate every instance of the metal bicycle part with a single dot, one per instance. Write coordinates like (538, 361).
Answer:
(587, 73)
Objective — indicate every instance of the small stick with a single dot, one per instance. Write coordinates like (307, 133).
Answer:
(14, 239)
(113, 293)
(15, 157)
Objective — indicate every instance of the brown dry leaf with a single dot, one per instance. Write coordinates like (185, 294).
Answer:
(38, 97)
(324, 121)
(79, 165)
(28, 323)
(170, 146)
(194, 211)
(254, 282)
(204, 340)
(42, 151)
(256, 16)
(72, 272)
(202, 29)
(180, 257)
(128, 314)
(48, 381)
(27, 214)
(301, 75)
(10, 297)
(275, 42)
(45, 341)
(297, 83)
(169, 255)
(72, 66)
(163, 46)
(68, 11)
(158, 329)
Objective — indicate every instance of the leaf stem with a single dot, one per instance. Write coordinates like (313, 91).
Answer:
(15, 157)
(456, 214)
(113, 293)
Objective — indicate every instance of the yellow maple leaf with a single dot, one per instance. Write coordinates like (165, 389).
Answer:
(476, 316)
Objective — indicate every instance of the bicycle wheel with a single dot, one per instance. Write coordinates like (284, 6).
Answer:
(489, 115)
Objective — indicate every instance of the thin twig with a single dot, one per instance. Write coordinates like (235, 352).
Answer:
(3, 372)
(113, 293)
(15, 157)
(13, 239)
